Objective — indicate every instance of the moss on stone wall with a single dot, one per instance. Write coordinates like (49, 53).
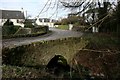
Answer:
(39, 53)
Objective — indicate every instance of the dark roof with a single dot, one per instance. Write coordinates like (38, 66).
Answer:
(12, 14)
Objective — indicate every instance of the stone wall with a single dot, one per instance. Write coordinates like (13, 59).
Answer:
(39, 53)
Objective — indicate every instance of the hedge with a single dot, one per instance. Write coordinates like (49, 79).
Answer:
(23, 35)
(35, 32)
(9, 30)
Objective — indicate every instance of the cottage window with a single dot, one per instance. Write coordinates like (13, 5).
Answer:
(17, 21)
(2, 20)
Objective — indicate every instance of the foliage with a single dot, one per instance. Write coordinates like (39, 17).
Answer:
(24, 35)
(34, 32)
(27, 72)
(11, 72)
(8, 23)
(57, 23)
(118, 18)
(71, 20)
(100, 53)
(75, 19)
(64, 21)
(8, 28)
(28, 24)
(110, 24)
(102, 12)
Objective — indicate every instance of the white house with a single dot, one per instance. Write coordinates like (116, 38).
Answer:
(45, 22)
(17, 17)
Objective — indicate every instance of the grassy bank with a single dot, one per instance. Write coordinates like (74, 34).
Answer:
(21, 72)
(64, 27)
(101, 55)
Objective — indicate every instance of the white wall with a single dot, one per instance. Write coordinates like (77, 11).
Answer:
(94, 29)
(56, 25)
(14, 22)
(17, 24)
(3, 21)
(49, 24)
(0, 22)
(70, 26)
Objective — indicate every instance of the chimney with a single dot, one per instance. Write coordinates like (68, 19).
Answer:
(22, 10)
(26, 13)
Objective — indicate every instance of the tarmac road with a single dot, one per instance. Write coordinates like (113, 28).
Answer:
(56, 34)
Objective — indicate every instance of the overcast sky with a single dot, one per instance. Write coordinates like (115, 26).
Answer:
(33, 7)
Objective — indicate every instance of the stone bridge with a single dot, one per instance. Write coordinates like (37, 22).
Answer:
(39, 50)
(40, 53)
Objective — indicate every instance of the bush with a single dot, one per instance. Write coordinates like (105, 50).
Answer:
(8, 28)
(57, 23)
(23, 35)
(40, 28)
(28, 24)
(8, 23)
(34, 32)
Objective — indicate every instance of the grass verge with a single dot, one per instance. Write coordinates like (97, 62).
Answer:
(64, 27)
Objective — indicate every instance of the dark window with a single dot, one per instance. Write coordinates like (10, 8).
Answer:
(17, 21)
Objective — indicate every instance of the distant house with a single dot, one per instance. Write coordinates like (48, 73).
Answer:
(17, 17)
(45, 22)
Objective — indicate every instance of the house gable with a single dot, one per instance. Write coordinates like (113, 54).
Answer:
(17, 17)
(12, 14)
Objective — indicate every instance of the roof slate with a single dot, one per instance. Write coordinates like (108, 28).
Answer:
(12, 14)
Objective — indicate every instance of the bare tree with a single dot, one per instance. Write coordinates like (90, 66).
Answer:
(82, 5)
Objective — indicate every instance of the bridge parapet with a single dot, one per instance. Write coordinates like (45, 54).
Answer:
(40, 53)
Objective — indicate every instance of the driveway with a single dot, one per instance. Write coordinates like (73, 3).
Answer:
(56, 34)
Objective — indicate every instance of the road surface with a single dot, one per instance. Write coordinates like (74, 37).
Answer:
(56, 34)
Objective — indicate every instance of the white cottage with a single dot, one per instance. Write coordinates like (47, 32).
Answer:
(17, 17)
(45, 22)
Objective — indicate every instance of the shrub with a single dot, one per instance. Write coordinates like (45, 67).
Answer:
(57, 23)
(23, 35)
(28, 24)
(8, 23)
(40, 28)
(8, 28)
(7, 33)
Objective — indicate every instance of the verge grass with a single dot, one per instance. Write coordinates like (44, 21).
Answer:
(64, 27)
